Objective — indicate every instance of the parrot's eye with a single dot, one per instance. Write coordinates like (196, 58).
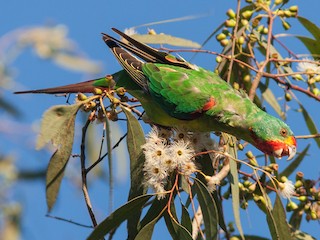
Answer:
(283, 132)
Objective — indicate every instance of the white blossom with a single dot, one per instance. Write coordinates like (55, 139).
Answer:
(287, 189)
(307, 66)
(212, 183)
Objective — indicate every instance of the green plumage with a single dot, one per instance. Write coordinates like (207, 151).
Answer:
(175, 93)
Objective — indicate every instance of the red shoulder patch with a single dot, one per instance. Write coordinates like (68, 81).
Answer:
(208, 105)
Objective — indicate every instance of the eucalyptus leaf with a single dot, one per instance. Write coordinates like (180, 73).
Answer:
(58, 126)
(310, 124)
(118, 216)
(268, 95)
(135, 139)
(209, 210)
(279, 215)
(311, 27)
(165, 39)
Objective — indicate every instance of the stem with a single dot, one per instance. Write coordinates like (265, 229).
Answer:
(84, 175)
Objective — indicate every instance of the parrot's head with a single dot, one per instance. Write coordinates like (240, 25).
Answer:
(273, 137)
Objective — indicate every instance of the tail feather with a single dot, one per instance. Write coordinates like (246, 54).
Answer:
(84, 87)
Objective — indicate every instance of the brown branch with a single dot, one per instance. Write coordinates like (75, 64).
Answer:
(317, 135)
(234, 38)
(84, 175)
(256, 81)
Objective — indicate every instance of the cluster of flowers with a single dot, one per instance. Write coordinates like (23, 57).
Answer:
(168, 151)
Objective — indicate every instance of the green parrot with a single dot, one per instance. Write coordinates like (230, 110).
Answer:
(176, 93)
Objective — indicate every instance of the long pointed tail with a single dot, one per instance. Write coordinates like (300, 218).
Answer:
(84, 87)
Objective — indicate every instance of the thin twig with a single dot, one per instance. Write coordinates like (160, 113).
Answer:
(84, 174)
(317, 135)
(234, 38)
(106, 154)
(69, 221)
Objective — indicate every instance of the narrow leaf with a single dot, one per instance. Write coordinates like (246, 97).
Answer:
(294, 164)
(311, 44)
(185, 218)
(176, 230)
(118, 216)
(209, 210)
(146, 232)
(135, 139)
(311, 27)
(165, 39)
(61, 119)
(268, 95)
(310, 124)
(234, 181)
(279, 215)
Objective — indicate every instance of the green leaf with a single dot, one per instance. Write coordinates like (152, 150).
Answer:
(268, 95)
(185, 218)
(310, 124)
(296, 218)
(146, 232)
(176, 230)
(57, 125)
(279, 216)
(311, 44)
(165, 39)
(234, 181)
(54, 121)
(135, 139)
(209, 209)
(311, 27)
(252, 237)
(118, 216)
(294, 164)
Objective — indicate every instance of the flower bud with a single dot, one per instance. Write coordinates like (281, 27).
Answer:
(315, 91)
(230, 23)
(298, 184)
(221, 36)
(231, 13)
(313, 215)
(293, 8)
(292, 205)
(247, 78)
(152, 32)
(277, 2)
(244, 22)
(286, 25)
(81, 97)
(302, 198)
(280, 13)
(120, 91)
(224, 42)
(218, 59)
(288, 97)
(240, 147)
(287, 13)
(97, 91)
(299, 175)
(297, 77)
(241, 40)
(247, 14)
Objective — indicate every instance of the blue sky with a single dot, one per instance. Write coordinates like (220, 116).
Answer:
(85, 21)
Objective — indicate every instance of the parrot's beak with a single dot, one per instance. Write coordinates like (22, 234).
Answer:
(289, 149)
(292, 150)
